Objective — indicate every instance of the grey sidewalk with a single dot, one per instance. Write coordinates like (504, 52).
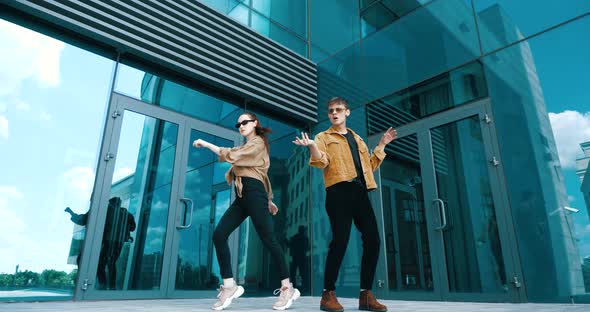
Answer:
(264, 304)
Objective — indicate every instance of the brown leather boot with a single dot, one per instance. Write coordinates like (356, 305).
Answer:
(329, 302)
(368, 302)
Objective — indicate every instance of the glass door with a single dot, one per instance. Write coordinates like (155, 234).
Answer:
(205, 195)
(154, 205)
(447, 230)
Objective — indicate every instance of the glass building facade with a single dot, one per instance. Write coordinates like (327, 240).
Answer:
(485, 195)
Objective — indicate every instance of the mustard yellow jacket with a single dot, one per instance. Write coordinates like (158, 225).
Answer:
(337, 160)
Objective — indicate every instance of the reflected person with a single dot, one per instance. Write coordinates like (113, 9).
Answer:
(119, 224)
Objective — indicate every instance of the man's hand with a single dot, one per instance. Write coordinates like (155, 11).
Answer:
(304, 141)
(388, 136)
(272, 208)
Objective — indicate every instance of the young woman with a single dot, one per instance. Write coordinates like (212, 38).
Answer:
(249, 169)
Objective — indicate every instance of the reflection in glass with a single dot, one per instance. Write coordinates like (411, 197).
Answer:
(132, 257)
(333, 24)
(451, 89)
(502, 22)
(191, 102)
(409, 265)
(472, 245)
(292, 14)
(205, 186)
(51, 121)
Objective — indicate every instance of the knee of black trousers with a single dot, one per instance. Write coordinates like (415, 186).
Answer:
(218, 237)
(372, 238)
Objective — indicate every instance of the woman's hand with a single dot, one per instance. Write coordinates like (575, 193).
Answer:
(272, 208)
(199, 143)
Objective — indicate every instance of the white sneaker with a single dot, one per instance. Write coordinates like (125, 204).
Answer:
(226, 295)
(286, 298)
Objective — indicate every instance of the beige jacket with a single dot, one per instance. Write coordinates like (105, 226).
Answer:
(337, 160)
(249, 160)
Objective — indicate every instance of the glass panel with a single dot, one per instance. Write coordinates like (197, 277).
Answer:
(51, 122)
(197, 266)
(374, 18)
(134, 82)
(334, 24)
(276, 32)
(437, 94)
(502, 22)
(193, 103)
(539, 90)
(409, 264)
(421, 45)
(239, 12)
(290, 13)
(472, 245)
(134, 234)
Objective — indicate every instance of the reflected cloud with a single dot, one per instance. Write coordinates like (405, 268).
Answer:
(45, 116)
(22, 106)
(3, 127)
(31, 55)
(78, 182)
(121, 173)
(570, 128)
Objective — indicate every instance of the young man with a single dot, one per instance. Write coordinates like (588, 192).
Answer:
(348, 176)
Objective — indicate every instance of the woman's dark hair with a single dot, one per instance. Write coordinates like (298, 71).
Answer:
(261, 131)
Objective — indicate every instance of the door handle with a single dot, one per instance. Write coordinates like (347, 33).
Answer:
(187, 201)
(441, 205)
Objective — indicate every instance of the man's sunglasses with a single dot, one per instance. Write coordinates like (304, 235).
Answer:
(244, 122)
(337, 110)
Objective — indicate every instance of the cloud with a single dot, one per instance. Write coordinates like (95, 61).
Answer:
(45, 116)
(79, 182)
(570, 128)
(27, 54)
(121, 173)
(23, 106)
(10, 192)
(3, 127)
(2, 107)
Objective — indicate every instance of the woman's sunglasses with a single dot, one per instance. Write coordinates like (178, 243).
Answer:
(244, 122)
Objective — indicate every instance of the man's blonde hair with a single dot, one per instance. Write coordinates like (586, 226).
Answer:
(337, 100)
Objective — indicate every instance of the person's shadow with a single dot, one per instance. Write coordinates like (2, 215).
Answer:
(117, 230)
(298, 247)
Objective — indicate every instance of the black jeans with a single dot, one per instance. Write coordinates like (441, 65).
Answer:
(254, 203)
(348, 202)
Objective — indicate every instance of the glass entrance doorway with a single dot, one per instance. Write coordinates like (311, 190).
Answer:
(447, 234)
(155, 205)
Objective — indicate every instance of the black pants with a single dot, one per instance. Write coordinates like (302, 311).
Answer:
(254, 203)
(348, 202)
(109, 254)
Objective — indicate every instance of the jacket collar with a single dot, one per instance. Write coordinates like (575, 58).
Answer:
(331, 130)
